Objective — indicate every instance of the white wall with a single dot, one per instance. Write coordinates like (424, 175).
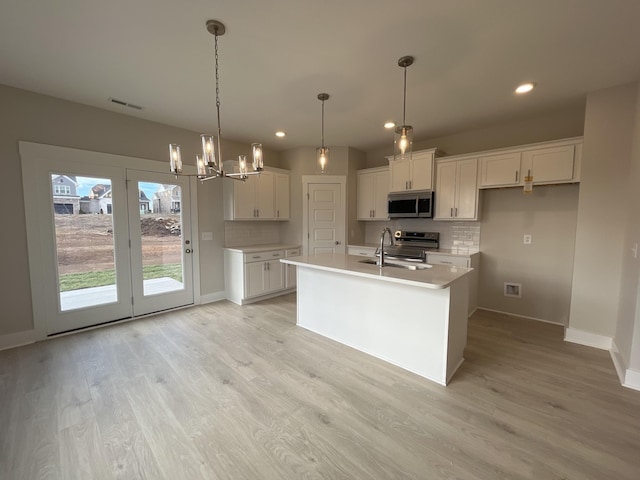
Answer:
(602, 211)
(38, 118)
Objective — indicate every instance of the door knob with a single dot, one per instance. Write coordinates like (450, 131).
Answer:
(188, 250)
(337, 242)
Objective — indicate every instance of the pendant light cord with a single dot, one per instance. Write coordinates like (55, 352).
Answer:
(218, 102)
(404, 100)
(322, 123)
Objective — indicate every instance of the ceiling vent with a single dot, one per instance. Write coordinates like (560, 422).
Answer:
(125, 104)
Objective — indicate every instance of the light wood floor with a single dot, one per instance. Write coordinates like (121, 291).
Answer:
(221, 391)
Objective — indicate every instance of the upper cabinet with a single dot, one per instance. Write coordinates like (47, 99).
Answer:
(456, 196)
(502, 170)
(413, 174)
(259, 197)
(549, 162)
(373, 188)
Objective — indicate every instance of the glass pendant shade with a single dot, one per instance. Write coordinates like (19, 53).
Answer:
(175, 159)
(258, 163)
(323, 158)
(242, 164)
(208, 150)
(402, 142)
(201, 166)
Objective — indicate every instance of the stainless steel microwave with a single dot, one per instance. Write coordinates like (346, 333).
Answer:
(414, 204)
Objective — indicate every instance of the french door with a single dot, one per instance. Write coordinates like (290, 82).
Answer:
(107, 242)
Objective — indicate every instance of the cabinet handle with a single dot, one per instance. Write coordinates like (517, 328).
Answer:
(451, 212)
(456, 211)
(373, 214)
(517, 176)
(410, 184)
(277, 213)
(406, 185)
(257, 212)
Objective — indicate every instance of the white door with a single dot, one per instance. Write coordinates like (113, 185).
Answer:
(326, 218)
(161, 246)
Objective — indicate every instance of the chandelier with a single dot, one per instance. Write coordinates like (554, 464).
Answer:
(403, 138)
(209, 164)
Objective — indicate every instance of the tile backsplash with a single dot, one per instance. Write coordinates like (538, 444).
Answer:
(243, 234)
(460, 237)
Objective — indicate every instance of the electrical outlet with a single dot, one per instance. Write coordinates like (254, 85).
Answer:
(527, 239)
(207, 236)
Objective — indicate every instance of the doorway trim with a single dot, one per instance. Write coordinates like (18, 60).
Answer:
(308, 179)
(34, 157)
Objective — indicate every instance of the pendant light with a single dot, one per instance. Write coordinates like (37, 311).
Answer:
(322, 153)
(209, 165)
(403, 138)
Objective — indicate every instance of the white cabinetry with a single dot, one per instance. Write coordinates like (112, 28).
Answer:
(469, 261)
(282, 196)
(373, 188)
(412, 174)
(549, 165)
(290, 270)
(500, 170)
(550, 162)
(259, 197)
(456, 189)
(362, 251)
(256, 275)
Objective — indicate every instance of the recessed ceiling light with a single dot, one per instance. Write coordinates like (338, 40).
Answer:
(525, 87)
(280, 134)
(389, 125)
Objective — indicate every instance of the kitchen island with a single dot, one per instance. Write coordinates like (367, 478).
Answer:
(415, 319)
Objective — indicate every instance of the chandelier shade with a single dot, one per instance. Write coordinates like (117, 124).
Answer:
(403, 134)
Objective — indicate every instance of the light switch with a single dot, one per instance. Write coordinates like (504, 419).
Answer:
(527, 239)
(207, 236)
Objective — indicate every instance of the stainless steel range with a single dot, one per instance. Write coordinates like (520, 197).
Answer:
(412, 245)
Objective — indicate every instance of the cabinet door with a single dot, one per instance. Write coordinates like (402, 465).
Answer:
(500, 170)
(445, 193)
(244, 198)
(265, 195)
(421, 172)
(291, 279)
(366, 189)
(554, 164)
(275, 276)
(254, 275)
(466, 190)
(282, 196)
(400, 171)
(381, 191)
(436, 259)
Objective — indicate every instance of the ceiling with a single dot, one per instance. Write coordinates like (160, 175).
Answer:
(277, 55)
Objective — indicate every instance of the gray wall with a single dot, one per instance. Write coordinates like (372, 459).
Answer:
(42, 119)
(602, 209)
(544, 268)
(552, 125)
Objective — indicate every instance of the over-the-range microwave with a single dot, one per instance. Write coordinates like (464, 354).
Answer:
(414, 204)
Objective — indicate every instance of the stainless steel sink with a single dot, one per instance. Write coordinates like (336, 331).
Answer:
(397, 264)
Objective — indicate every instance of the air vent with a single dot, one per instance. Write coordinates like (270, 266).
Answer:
(125, 104)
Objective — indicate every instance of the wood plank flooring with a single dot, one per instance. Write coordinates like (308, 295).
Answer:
(227, 392)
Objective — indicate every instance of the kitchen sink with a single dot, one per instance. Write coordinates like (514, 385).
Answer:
(398, 264)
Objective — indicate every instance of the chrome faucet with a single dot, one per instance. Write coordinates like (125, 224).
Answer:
(380, 261)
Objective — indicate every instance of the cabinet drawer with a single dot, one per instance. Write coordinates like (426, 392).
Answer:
(292, 252)
(261, 256)
(436, 259)
(362, 251)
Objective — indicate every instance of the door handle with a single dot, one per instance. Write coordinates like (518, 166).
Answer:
(338, 242)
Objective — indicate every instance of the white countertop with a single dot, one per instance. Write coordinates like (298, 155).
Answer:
(442, 251)
(438, 276)
(262, 248)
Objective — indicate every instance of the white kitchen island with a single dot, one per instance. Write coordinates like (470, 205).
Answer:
(415, 319)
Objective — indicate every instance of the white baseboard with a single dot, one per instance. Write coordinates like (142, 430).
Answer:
(516, 315)
(589, 339)
(18, 339)
(212, 297)
(632, 379)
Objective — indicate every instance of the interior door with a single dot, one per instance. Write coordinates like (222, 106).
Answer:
(326, 218)
(161, 247)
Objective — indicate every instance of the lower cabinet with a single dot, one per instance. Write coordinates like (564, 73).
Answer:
(257, 275)
(291, 270)
(362, 251)
(469, 261)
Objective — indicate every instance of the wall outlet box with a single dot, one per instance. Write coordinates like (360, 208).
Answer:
(512, 290)
(527, 239)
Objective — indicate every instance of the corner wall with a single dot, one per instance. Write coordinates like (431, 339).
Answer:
(603, 210)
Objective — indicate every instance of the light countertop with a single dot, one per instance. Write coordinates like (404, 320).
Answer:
(262, 248)
(437, 276)
(442, 251)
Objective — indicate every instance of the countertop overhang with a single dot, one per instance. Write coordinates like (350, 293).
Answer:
(436, 277)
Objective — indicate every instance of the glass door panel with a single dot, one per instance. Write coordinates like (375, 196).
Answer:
(85, 247)
(160, 241)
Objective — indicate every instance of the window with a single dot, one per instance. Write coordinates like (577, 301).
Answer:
(61, 189)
